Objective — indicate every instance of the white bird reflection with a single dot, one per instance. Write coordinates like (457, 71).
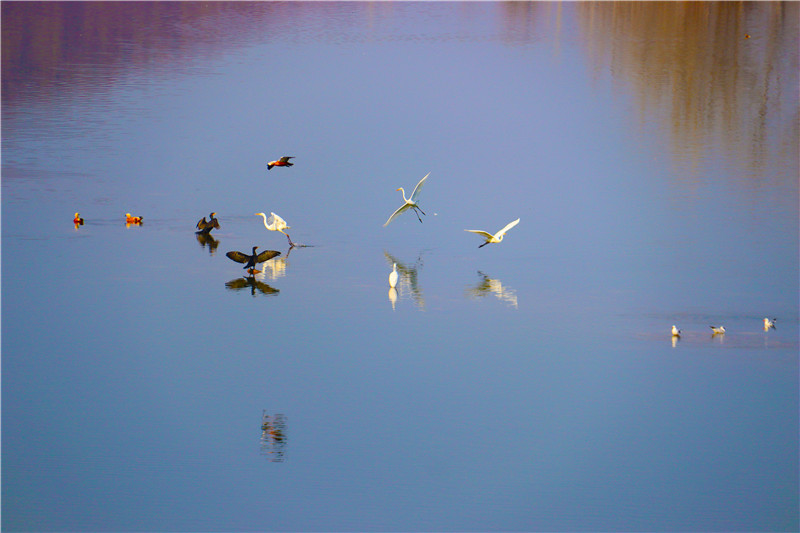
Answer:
(488, 285)
(408, 282)
(393, 296)
(273, 269)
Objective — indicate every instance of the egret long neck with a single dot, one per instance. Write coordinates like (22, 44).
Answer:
(403, 192)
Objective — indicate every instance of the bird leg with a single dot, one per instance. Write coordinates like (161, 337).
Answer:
(484, 244)
(291, 244)
(415, 212)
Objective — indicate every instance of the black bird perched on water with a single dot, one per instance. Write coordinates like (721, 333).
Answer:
(206, 227)
(252, 260)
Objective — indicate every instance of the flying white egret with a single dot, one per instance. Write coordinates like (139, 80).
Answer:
(393, 276)
(497, 237)
(717, 330)
(410, 203)
(276, 223)
(675, 331)
(769, 323)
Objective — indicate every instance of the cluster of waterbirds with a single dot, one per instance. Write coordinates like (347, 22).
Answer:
(769, 323)
(275, 223)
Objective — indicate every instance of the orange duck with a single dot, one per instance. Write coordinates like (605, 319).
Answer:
(132, 220)
(282, 162)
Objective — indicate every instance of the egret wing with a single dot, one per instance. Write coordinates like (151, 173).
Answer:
(508, 227)
(239, 257)
(266, 255)
(397, 213)
(418, 188)
(275, 221)
(481, 232)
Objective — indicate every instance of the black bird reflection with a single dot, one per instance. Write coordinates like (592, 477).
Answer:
(251, 283)
(204, 226)
(205, 239)
(273, 436)
(408, 277)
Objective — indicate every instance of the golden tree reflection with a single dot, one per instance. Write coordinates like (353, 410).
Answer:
(710, 73)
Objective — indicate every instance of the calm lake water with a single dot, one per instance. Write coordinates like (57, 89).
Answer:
(650, 151)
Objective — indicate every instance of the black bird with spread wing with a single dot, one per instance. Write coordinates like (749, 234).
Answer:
(250, 261)
(205, 227)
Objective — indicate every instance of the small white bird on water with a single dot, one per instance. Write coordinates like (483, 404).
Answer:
(717, 330)
(497, 237)
(410, 203)
(769, 323)
(675, 331)
(393, 276)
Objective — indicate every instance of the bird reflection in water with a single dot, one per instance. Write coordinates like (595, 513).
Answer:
(408, 280)
(274, 269)
(273, 436)
(205, 239)
(488, 285)
(250, 282)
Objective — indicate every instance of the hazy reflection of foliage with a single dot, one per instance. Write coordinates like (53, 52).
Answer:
(488, 285)
(251, 283)
(99, 38)
(205, 239)
(273, 436)
(712, 73)
(408, 282)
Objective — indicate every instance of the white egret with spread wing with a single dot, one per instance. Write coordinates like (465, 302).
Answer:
(497, 237)
(276, 223)
(409, 203)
